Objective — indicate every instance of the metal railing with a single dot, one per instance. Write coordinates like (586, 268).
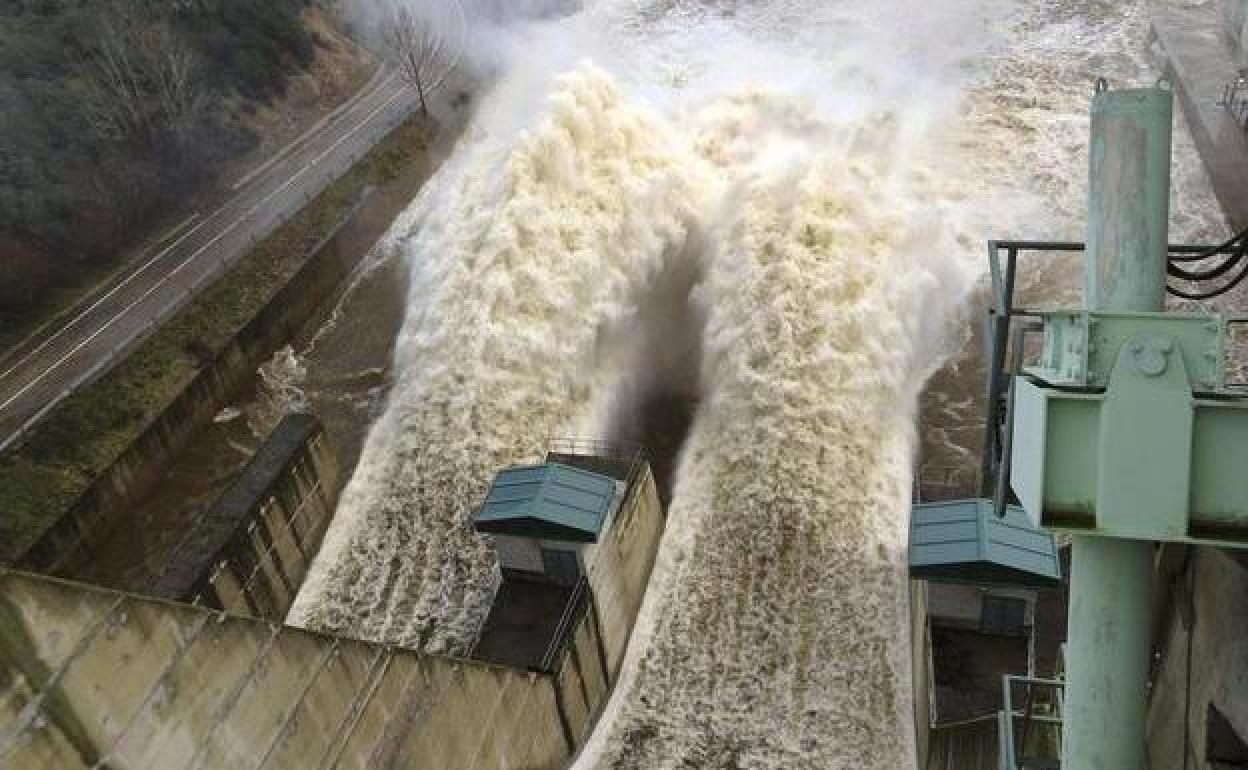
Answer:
(1037, 743)
(268, 559)
(999, 324)
(965, 744)
(1235, 98)
(573, 612)
(630, 457)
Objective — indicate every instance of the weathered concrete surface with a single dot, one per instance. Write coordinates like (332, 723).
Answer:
(582, 681)
(1212, 672)
(1199, 62)
(921, 665)
(620, 564)
(1235, 27)
(251, 549)
(92, 676)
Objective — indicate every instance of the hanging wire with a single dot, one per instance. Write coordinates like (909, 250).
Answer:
(1212, 250)
(1238, 246)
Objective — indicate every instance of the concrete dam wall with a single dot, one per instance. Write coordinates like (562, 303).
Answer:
(1199, 700)
(251, 549)
(91, 677)
(95, 676)
(621, 567)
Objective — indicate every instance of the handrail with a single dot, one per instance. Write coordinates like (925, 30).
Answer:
(632, 453)
(991, 716)
(1012, 756)
(1001, 312)
(572, 613)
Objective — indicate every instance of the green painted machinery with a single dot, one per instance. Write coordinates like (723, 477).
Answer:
(1125, 434)
(1125, 428)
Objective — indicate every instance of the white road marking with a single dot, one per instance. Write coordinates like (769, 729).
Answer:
(143, 268)
(228, 229)
(110, 293)
(370, 88)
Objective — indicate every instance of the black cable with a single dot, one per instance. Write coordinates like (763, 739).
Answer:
(1204, 275)
(1211, 251)
(1212, 292)
(1237, 257)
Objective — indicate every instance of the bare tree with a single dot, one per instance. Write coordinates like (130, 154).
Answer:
(170, 70)
(116, 94)
(417, 48)
(139, 80)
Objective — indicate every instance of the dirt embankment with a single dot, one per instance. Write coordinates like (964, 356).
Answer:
(337, 72)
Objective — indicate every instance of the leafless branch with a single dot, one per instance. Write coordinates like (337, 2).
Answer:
(139, 80)
(170, 70)
(114, 82)
(416, 49)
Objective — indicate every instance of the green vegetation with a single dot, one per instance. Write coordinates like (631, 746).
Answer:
(113, 111)
(84, 435)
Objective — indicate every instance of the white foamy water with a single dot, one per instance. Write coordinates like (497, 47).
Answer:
(282, 391)
(827, 172)
(519, 255)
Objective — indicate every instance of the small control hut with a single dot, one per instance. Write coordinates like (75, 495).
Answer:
(576, 537)
(545, 518)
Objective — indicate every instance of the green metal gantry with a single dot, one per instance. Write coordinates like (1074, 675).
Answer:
(1125, 435)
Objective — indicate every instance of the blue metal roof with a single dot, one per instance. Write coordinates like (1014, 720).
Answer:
(964, 541)
(550, 500)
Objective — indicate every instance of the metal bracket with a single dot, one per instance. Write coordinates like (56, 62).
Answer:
(1125, 429)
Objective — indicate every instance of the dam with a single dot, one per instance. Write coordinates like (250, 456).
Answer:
(734, 253)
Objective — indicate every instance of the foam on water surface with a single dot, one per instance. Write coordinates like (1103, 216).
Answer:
(814, 180)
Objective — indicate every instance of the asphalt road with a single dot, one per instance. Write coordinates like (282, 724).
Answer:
(70, 354)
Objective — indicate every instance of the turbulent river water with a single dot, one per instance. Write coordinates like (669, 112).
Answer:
(775, 210)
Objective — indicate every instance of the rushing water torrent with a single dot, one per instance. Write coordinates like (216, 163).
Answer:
(518, 260)
(790, 195)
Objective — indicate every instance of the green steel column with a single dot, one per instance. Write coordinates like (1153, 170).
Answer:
(1128, 199)
(1111, 582)
(1107, 654)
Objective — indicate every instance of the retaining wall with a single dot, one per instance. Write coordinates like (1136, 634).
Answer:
(72, 537)
(96, 676)
(249, 552)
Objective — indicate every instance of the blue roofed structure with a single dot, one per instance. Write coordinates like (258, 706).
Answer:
(964, 541)
(551, 501)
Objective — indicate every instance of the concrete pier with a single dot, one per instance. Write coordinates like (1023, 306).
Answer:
(1204, 51)
(96, 678)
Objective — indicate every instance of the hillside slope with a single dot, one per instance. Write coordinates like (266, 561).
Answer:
(115, 115)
